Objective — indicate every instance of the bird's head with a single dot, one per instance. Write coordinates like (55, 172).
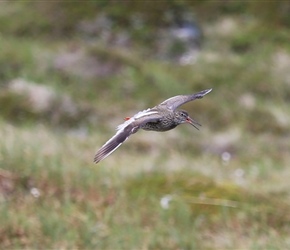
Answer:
(181, 116)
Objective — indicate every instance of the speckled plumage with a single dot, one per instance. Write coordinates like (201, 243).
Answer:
(168, 120)
(162, 117)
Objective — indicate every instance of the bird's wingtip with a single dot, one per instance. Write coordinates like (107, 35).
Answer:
(201, 94)
(96, 160)
(208, 91)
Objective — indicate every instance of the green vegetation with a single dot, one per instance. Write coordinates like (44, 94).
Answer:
(64, 87)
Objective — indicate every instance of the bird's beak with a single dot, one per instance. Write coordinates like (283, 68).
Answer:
(192, 122)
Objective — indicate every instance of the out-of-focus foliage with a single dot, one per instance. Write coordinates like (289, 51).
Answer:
(61, 18)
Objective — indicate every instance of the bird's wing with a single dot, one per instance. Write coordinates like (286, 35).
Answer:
(176, 101)
(124, 130)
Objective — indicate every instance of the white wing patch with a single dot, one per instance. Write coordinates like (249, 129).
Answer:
(111, 145)
(140, 114)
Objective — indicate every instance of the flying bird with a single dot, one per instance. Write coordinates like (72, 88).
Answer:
(162, 117)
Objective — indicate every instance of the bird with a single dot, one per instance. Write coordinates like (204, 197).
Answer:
(163, 117)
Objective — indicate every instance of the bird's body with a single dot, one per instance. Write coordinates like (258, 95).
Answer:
(162, 117)
(166, 122)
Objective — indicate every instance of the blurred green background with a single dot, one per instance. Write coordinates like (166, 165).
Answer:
(70, 71)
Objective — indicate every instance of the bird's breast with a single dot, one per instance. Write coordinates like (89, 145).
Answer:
(158, 126)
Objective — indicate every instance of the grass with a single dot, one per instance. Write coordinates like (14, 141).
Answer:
(223, 187)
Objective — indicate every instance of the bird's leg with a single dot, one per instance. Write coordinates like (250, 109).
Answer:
(127, 118)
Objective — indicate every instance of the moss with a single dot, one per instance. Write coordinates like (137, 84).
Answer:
(208, 198)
